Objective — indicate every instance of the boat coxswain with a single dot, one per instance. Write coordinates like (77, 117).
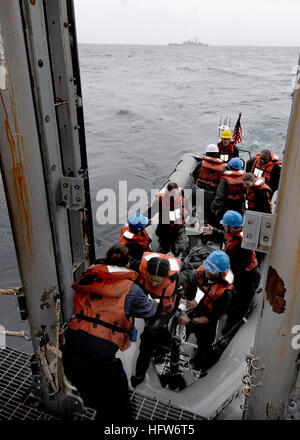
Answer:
(227, 148)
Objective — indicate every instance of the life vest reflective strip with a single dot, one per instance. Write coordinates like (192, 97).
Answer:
(250, 193)
(126, 237)
(226, 153)
(165, 291)
(211, 171)
(233, 241)
(172, 208)
(236, 189)
(99, 305)
(264, 170)
(215, 290)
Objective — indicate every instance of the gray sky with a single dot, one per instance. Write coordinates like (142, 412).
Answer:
(216, 22)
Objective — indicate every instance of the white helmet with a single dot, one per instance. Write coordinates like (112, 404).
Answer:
(212, 148)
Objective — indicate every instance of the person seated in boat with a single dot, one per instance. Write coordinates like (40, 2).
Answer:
(226, 146)
(258, 194)
(160, 277)
(230, 191)
(135, 237)
(106, 301)
(207, 176)
(243, 262)
(267, 165)
(215, 279)
(171, 223)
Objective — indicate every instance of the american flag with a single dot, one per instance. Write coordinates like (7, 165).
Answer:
(237, 136)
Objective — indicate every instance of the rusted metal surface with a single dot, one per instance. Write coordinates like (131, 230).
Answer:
(275, 291)
(15, 143)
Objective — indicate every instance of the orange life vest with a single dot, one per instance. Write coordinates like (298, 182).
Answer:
(236, 189)
(231, 242)
(260, 170)
(165, 291)
(215, 290)
(126, 237)
(99, 306)
(211, 171)
(172, 210)
(250, 193)
(226, 153)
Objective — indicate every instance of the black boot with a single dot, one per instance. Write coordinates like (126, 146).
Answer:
(136, 380)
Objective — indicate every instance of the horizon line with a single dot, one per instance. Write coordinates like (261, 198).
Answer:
(179, 44)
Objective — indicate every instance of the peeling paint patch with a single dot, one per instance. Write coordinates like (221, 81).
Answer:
(45, 297)
(275, 291)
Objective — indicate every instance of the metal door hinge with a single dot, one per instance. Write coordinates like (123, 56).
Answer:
(72, 192)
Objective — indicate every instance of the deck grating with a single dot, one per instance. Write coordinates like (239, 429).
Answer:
(15, 387)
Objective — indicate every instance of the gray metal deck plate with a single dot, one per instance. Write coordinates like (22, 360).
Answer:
(15, 386)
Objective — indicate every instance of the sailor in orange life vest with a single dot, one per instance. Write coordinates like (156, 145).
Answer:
(227, 148)
(267, 165)
(208, 175)
(258, 194)
(230, 192)
(243, 263)
(160, 277)
(106, 300)
(215, 280)
(135, 237)
(171, 223)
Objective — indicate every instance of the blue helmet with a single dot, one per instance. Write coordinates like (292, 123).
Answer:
(137, 222)
(236, 163)
(217, 261)
(232, 219)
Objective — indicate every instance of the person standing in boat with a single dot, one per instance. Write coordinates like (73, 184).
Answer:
(171, 223)
(215, 279)
(135, 237)
(266, 165)
(106, 301)
(230, 191)
(207, 176)
(243, 262)
(161, 278)
(227, 147)
(258, 194)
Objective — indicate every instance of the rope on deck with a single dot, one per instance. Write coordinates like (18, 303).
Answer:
(21, 334)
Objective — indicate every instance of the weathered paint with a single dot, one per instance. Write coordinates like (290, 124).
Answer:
(275, 291)
(17, 171)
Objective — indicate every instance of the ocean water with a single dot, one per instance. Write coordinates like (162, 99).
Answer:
(145, 106)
